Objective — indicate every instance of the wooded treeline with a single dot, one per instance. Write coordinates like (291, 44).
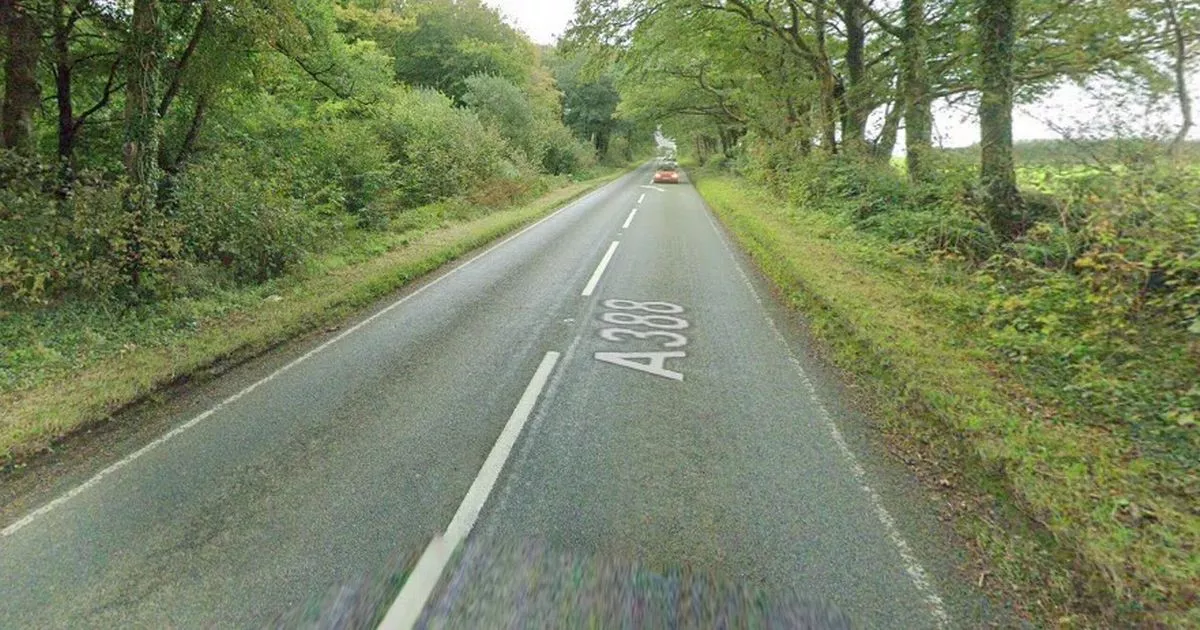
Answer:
(843, 76)
(150, 144)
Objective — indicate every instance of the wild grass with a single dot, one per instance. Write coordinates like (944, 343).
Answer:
(1106, 545)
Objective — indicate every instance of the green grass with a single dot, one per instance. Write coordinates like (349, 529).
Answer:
(1090, 541)
(70, 366)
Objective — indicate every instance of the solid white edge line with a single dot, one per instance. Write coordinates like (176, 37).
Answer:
(912, 565)
(98, 477)
(414, 595)
(629, 218)
(595, 279)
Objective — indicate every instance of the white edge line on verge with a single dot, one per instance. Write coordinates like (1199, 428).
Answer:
(98, 477)
(406, 610)
(916, 573)
(629, 219)
(595, 279)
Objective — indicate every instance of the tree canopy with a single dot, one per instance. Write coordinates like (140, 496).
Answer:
(145, 139)
(844, 76)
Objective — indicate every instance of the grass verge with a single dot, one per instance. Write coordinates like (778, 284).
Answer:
(136, 354)
(1058, 529)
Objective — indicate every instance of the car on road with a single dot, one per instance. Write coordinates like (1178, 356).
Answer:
(666, 175)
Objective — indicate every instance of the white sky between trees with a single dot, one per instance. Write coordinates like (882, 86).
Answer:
(1068, 107)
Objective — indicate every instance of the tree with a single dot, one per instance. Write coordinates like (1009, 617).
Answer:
(996, 21)
(918, 110)
(141, 130)
(914, 83)
(1178, 41)
(22, 93)
(456, 39)
(854, 109)
(588, 102)
(98, 57)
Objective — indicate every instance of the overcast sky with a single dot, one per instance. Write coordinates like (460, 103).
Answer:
(542, 20)
(545, 20)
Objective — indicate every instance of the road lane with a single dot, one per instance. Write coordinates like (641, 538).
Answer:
(731, 467)
(364, 448)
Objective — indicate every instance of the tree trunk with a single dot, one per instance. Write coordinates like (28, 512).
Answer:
(179, 66)
(141, 131)
(828, 83)
(998, 179)
(22, 94)
(854, 121)
(918, 115)
(62, 89)
(173, 164)
(1179, 61)
(886, 143)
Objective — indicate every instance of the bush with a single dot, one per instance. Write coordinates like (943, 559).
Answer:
(503, 106)
(59, 239)
(346, 167)
(438, 150)
(249, 224)
(1099, 298)
(929, 220)
(563, 153)
(619, 153)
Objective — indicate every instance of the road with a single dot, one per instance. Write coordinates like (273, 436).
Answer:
(711, 449)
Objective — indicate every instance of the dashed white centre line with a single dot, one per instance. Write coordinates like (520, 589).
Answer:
(629, 218)
(405, 611)
(595, 279)
(642, 198)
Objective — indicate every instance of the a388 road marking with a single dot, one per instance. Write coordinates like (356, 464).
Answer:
(662, 318)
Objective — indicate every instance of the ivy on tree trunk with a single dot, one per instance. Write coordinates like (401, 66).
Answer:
(854, 113)
(141, 132)
(22, 94)
(996, 20)
(918, 115)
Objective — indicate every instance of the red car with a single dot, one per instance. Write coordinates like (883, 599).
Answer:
(666, 176)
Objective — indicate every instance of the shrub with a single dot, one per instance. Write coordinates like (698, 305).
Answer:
(249, 224)
(60, 238)
(437, 150)
(345, 167)
(503, 106)
(563, 153)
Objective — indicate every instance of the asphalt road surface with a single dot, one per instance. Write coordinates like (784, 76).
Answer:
(654, 411)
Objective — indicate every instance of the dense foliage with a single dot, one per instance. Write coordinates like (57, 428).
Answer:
(159, 149)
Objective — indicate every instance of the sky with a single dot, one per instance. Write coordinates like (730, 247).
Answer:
(542, 20)
(1068, 107)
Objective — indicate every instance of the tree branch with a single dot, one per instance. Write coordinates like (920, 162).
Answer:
(888, 27)
(109, 89)
(180, 65)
